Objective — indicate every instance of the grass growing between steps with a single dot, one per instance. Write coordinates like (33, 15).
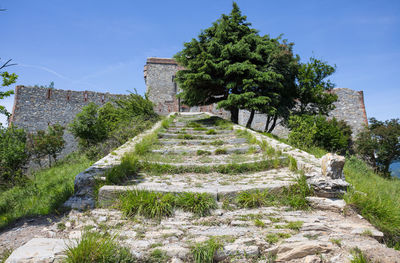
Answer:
(204, 252)
(95, 247)
(44, 192)
(157, 205)
(157, 169)
(293, 196)
(375, 198)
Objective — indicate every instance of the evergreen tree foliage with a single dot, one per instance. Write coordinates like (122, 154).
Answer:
(230, 63)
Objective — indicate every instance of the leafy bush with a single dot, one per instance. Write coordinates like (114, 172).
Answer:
(309, 130)
(381, 139)
(88, 127)
(13, 155)
(48, 143)
(95, 247)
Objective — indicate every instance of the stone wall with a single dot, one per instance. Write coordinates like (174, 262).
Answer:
(159, 75)
(349, 107)
(35, 108)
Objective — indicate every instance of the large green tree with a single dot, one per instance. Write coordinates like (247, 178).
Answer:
(231, 64)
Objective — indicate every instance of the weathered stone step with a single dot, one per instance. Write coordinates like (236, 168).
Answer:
(253, 158)
(217, 185)
(191, 136)
(228, 149)
(199, 132)
(197, 142)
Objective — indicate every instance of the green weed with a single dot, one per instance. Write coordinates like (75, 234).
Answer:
(129, 167)
(204, 252)
(217, 143)
(198, 203)
(211, 132)
(202, 152)
(220, 151)
(146, 203)
(145, 145)
(95, 247)
(358, 256)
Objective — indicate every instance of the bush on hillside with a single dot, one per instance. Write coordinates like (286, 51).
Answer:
(316, 130)
(379, 144)
(46, 143)
(13, 155)
(101, 129)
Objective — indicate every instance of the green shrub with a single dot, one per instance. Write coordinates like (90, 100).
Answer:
(198, 203)
(13, 155)
(94, 247)
(292, 164)
(88, 127)
(309, 130)
(146, 203)
(48, 143)
(204, 252)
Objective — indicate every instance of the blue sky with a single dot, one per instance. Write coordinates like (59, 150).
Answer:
(103, 45)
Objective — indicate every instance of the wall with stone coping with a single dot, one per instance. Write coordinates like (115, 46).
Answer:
(35, 108)
(349, 107)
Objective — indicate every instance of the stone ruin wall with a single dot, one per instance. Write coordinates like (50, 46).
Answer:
(159, 76)
(35, 108)
(349, 107)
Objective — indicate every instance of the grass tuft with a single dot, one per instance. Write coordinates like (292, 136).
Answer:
(204, 252)
(221, 151)
(200, 204)
(211, 132)
(358, 256)
(145, 145)
(202, 152)
(95, 247)
(146, 203)
(128, 168)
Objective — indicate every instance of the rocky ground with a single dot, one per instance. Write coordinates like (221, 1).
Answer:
(328, 232)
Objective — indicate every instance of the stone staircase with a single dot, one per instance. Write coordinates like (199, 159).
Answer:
(205, 154)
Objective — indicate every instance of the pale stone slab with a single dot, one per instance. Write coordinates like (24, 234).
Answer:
(42, 250)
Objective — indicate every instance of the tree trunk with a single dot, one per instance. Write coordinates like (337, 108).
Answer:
(235, 115)
(267, 123)
(250, 120)
(273, 124)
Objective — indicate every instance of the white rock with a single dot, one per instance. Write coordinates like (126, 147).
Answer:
(332, 165)
(39, 250)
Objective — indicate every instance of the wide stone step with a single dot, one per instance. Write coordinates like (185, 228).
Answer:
(227, 149)
(217, 185)
(199, 132)
(216, 160)
(197, 142)
(191, 136)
